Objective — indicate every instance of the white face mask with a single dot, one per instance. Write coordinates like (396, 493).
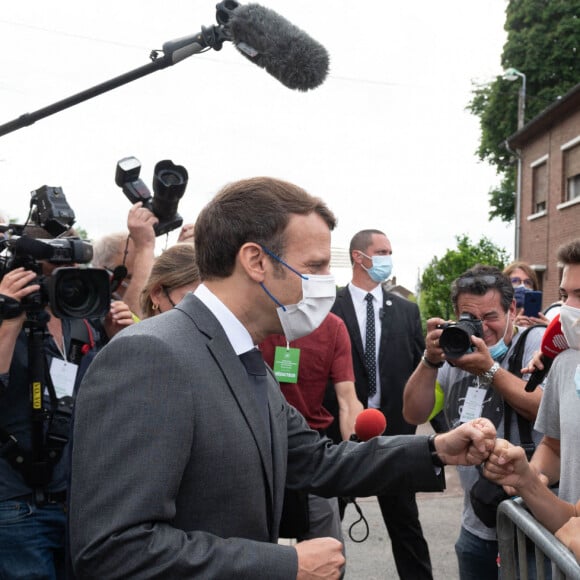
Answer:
(318, 295)
(570, 321)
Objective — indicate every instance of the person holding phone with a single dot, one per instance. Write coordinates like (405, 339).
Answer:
(526, 293)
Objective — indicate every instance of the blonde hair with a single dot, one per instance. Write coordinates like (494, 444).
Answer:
(174, 268)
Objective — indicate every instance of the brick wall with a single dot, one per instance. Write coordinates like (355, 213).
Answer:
(541, 235)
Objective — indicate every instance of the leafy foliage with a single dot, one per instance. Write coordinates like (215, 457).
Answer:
(438, 276)
(543, 42)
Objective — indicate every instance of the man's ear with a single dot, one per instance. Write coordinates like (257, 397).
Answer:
(252, 259)
(356, 257)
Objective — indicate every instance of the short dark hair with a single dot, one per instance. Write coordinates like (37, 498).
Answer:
(361, 241)
(251, 210)
(569, 253)
(479, 280)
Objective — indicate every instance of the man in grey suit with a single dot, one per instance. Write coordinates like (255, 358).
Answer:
(179, 465)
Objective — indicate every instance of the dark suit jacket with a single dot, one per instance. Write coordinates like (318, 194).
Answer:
(402, 345)
(172, 476)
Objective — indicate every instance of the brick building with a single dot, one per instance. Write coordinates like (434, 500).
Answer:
(548, 149)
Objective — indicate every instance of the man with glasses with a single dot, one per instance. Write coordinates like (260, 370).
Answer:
(479, 383)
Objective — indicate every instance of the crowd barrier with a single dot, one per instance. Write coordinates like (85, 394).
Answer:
(515, 524)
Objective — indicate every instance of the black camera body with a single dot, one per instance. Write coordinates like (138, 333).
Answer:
(52, 212)
(169, 183)
(70, 291)
(455, 340)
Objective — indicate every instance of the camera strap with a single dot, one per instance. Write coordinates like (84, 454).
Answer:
(36, 466)
(524, 426)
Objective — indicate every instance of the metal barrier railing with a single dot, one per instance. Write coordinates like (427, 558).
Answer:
(515, 524)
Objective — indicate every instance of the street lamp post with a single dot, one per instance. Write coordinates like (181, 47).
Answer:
(512, 74)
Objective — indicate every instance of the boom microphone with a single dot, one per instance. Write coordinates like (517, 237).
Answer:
(553, 343)
(279, 47)
(368, 424)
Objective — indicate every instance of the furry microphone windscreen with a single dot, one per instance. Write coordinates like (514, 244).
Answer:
(283, 50)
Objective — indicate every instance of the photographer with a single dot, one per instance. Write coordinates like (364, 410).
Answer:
(33, 487)
(483, 380)
(135, 250)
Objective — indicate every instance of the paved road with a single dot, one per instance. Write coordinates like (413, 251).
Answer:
(440, 515)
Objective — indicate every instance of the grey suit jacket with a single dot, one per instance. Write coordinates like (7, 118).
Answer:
(172, 475)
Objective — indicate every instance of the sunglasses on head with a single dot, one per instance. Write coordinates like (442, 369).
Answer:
(483, 280)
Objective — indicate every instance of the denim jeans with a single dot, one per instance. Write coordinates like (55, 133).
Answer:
(477, 558)
(32, 541)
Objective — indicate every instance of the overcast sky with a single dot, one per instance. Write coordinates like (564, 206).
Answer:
(386, 140)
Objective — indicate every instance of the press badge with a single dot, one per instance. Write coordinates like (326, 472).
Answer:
(473, 404)
(63, 375)
(286, 364)
(577, 381)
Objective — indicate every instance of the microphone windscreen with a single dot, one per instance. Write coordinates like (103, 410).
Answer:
(283, 50)
(369, 423)
(553, 341)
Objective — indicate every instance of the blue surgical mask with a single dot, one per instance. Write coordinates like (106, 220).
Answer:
(381, 268)
(499, 349)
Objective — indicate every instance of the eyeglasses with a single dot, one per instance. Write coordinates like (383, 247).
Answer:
(166, 291)
(469, 281)
(516, 281)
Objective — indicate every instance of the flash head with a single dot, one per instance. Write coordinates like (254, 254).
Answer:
(128, 170)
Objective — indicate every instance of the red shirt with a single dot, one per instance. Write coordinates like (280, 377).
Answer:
(325, 355)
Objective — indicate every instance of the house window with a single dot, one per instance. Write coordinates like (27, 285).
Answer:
(539, 187)
(572, 173)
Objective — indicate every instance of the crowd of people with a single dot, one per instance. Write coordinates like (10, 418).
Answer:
(163, 446)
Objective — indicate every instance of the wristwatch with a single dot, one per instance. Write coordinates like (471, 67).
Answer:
(487, 376)
(436, 460)
(429, 364)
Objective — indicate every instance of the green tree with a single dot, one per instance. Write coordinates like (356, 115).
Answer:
(437, 278)
(543, 42)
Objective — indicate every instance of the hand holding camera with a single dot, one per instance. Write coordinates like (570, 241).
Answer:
(460, 343)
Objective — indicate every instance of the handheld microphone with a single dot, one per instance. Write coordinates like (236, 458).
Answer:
(368, 424)
(283, 50)
(553, 343)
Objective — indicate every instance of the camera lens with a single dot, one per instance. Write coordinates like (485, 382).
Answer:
(169, 183)
(76, 293)
(455, 341)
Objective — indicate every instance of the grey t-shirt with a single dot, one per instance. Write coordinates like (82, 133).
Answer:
(559, 418)
(454, 383)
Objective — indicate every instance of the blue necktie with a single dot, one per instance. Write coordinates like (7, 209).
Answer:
(370, 349)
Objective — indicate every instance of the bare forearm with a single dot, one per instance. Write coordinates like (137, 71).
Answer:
(419, 395)
(141, 269)
(512, 389)
(348, 408)
(548, 509)
(546, 459)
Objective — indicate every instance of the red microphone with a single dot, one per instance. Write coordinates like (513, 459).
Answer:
(368, 424)
(553, 343)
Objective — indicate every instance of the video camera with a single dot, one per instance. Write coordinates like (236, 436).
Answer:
(169, 183)
(72, 292)
(455, 340)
